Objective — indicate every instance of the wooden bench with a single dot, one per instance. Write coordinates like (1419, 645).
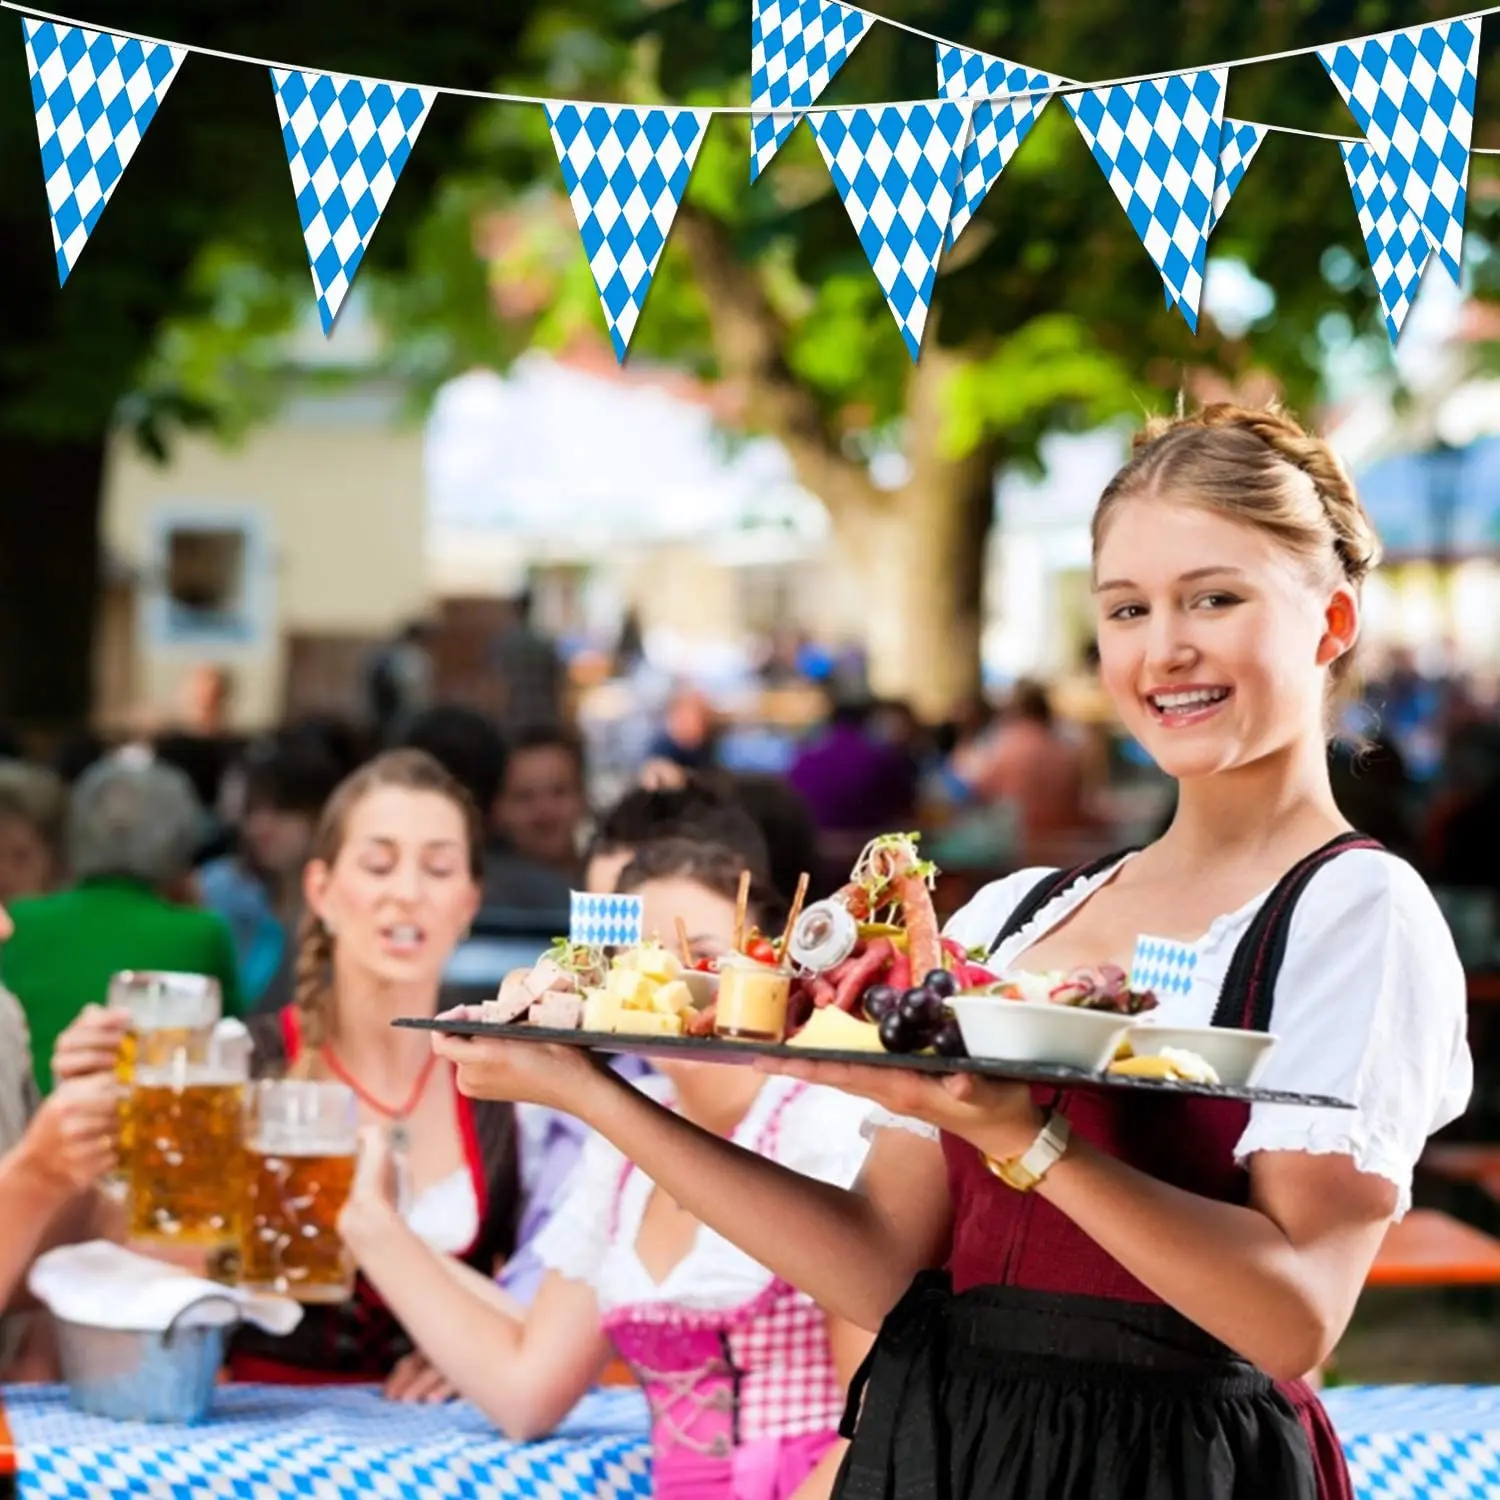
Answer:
(1432, 1249)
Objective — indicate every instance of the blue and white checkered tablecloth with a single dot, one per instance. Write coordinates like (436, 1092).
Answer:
(329, 1443)
(270, 1442)
(1420, 1442)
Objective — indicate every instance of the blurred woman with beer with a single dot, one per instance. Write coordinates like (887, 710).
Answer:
(745, 1376)
(392, 885)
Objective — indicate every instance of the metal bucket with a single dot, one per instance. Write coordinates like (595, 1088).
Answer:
(164, 1375)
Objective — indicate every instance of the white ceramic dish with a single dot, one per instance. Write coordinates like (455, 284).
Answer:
(1037, 1032)
(1238, 1057)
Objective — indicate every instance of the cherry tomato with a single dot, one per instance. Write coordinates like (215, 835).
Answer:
(761, 949)
(706, 965)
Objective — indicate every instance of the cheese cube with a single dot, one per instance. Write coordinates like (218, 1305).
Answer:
(649, 1023)
(599, 1010)
(630, 988)
(672, 998)
(654, 961)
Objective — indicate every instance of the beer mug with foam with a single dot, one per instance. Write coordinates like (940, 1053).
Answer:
(172, 1018)
(301, 1138)
(187, 1119)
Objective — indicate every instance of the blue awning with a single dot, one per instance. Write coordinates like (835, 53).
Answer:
(1407, 495)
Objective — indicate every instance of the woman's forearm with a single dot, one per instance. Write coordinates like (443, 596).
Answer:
(1232, 1270)
(30, 1203)
(847, 1249)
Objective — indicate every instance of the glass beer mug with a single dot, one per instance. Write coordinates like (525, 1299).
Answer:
(301, 1138)
(187, 1126)
(172, 1018)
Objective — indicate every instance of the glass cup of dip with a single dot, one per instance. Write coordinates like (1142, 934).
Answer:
(753, 1000)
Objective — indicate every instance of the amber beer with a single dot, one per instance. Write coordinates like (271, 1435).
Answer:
(172, 1018)
(301, 1138)
(187, 1154)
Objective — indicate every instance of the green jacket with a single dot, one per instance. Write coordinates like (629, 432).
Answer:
(66, 947)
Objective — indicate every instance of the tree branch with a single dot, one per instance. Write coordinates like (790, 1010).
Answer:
(748, 337)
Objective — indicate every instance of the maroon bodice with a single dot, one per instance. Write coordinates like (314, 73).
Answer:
(1002, 1237)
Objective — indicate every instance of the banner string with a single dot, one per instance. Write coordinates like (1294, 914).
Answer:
(1069, 85)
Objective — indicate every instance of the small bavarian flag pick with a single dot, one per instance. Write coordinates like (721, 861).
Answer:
(1163, 966)
(605, 921)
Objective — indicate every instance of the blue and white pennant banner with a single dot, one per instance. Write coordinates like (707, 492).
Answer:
(1238, 142)
(998, 128)
(346, 141)
(625, 170)
(1157, 143)
(796, 46)
(896, 168)
(1395, 241)
(95, 95)
(605, 921)
(1412, 93)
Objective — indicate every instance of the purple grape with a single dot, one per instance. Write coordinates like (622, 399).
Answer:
(896, 1033)
(879, 1001)
(921, 1007)
(949, 1040)
(941, 983)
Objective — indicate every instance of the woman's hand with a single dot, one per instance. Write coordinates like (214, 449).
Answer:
(375, 1196)
(91, 1044)
(71, 1141)
(1001, 1119)
(558, 1076)
(416, 1379)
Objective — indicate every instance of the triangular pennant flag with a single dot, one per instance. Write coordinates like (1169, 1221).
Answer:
(95, 94)
(1157, 143)
(1412, 93)
(1394, 239)
(896, 168)
(346, 141)
(796, 46)
(1238, 142)
(998, 128)
(625, 170)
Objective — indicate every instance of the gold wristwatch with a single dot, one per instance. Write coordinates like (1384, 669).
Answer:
(1024, 1172)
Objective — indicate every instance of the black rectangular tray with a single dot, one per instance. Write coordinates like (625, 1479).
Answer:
(722, 1050)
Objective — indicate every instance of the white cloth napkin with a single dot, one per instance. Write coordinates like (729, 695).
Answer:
(104, 1285)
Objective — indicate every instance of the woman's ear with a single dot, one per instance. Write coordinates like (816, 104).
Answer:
(315, 877)
(1340, 626)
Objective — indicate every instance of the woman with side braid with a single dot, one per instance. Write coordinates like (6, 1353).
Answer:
(392, 885)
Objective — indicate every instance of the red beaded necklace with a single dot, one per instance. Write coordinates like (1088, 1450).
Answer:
(398, 1134)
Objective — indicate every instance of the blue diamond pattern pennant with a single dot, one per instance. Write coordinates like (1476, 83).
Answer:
(1412, 93)
(1163, 966)
(605, 921)
(796, 46)
(896, 168)
(1157, 143)
(346, 141)
(998, 128)
(625, 170)
(1238, 142)
(1394, 238)
(94, 94)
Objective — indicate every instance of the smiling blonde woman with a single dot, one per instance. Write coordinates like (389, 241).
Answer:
(1082, 1295)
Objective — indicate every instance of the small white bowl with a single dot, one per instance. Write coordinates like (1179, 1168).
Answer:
(703, 986)
(1238, 1057)
(1029, 1031)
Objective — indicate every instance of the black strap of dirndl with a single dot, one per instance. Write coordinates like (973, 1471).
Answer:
(1249, 988)
(1046, 891)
